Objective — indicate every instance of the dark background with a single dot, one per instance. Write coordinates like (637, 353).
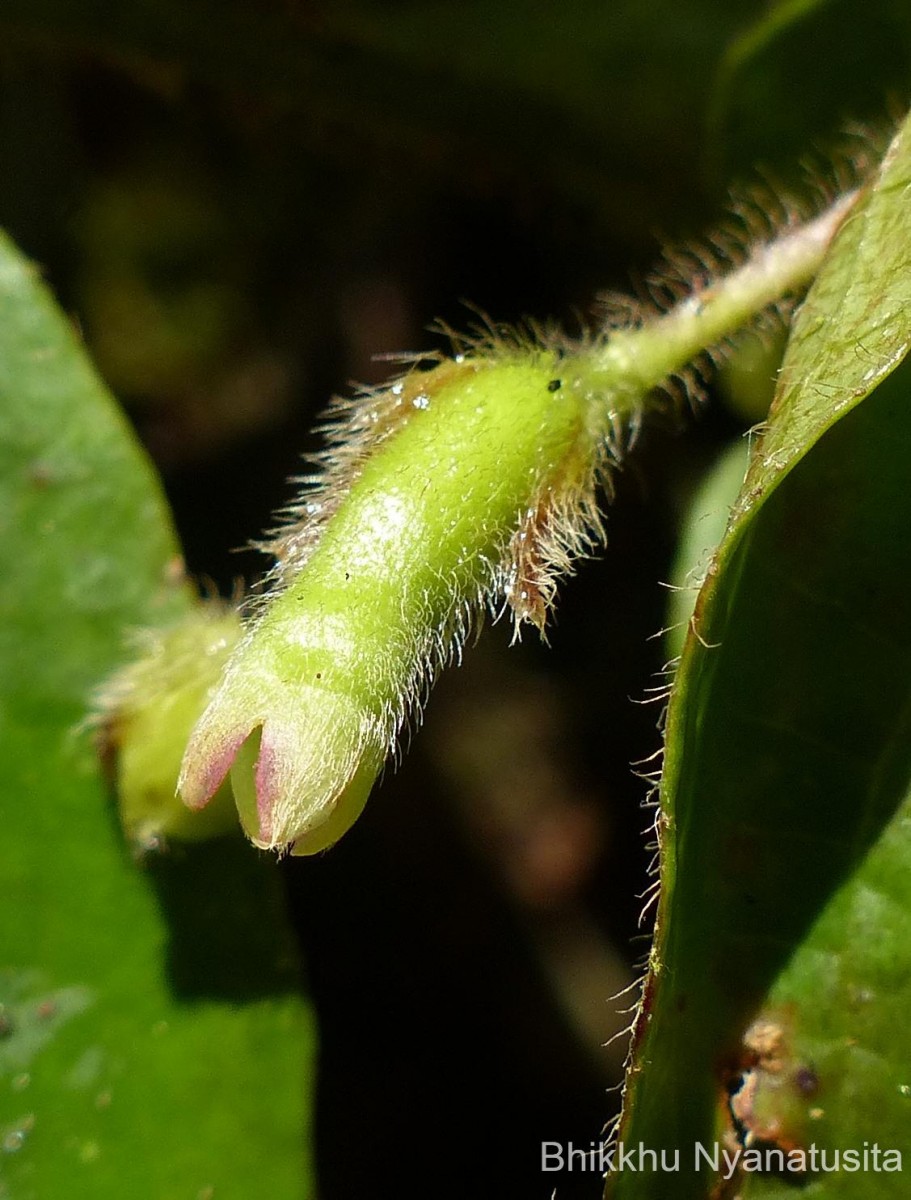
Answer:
(242, 204)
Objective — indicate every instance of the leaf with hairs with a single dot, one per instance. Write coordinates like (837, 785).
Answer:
(772, 1010)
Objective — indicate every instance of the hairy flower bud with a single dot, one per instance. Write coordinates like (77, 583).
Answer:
(302, 757)
(145, 714)
(467, 486)
(463, 486)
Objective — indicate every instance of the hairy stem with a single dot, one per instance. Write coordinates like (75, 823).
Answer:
(712, 314)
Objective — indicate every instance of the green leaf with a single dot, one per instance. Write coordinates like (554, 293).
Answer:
(797, 73)
(703, 528)
(783, 820)
(778, 20)
(153, 1039)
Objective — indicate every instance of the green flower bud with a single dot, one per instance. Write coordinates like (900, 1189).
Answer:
(145, 714)
(462, 486)
(467, 486)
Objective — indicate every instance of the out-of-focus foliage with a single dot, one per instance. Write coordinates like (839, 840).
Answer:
(153, 1039)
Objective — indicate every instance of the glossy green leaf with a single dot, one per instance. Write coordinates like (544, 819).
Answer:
(703, 527)
(153, 1039)
(786, 855)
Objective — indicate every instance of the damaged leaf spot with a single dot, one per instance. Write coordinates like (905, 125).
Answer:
(769, 1091)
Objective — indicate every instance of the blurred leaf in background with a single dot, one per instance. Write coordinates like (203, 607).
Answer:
(241, 203)
(153, 1037)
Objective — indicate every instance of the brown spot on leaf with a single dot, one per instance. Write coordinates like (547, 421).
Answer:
(768, 1090)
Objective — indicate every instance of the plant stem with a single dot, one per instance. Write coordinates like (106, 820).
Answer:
(660, 348)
